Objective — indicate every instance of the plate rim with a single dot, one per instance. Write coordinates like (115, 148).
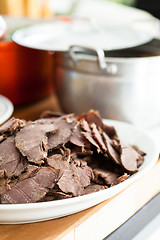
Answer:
(9, 109)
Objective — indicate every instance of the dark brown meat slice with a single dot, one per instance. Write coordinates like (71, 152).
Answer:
(73, 178)
(55, 194)
(129, 158)
(80, 162)
(3, 181)
(85, 125)
(32, 141)
(110, 149)
(83, 174)
(76, 137)
(92, 117)
(110, 130)
(10, 158)
(50, 114)
(87, 133)
(107, 176)
(29, 171)
(56, 115)
(121, 179)
(93, 188)
(12, 125)
(62, 135)
(89, 137)
(32, 189)
(98, 136)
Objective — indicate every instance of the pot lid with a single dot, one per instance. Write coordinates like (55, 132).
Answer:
(60, 35)
(6, 109)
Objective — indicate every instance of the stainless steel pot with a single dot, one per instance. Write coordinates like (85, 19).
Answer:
(123, 88)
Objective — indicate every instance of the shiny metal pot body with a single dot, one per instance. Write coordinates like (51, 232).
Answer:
(126, 89)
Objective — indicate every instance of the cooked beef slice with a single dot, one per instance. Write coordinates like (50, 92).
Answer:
(85, 125)
(80, 162)
(32, 189)
(108, 177)
(92, 117)
(110, 149)
(83, 174)
(90, 138)
(73, 178)
(56, 115)
(10, 158)
(98, 136)
(93, 188)
(3, 185)
(3, 181)
(12, 125)
(110, 131)
(29, 171)
(76, 137)
(120, 179)
(55, 194)
(32, 141)
(129, 158)
(62, 135)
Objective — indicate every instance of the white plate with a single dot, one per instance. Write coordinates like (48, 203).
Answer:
(59, 36)
(6, 109)
(35, 212)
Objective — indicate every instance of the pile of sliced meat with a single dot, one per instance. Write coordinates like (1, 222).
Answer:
(61, 156)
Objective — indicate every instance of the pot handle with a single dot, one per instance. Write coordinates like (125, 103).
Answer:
(109, 68)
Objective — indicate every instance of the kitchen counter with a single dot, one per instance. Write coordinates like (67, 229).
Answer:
(96, 222)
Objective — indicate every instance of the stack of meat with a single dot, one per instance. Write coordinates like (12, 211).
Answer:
(61, 156)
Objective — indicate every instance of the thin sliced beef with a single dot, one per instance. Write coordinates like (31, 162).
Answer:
(98, 136)
(32, 189)
(10, 158)
(110, 131)
(80, 162)
(121, 179)
(55, 194)
(73, 178)
(62, 135)
(85, 125)
(90, 138)
(110, 149)
(92, 117)
(3, 181)
(129, 158)
(56, 115)
(76, 137)
(93, 188)
(32, 141)
(108, 177)
(12, 125)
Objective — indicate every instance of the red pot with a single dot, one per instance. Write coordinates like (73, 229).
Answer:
(25, 74)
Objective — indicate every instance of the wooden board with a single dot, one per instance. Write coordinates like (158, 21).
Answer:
(94, 223)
